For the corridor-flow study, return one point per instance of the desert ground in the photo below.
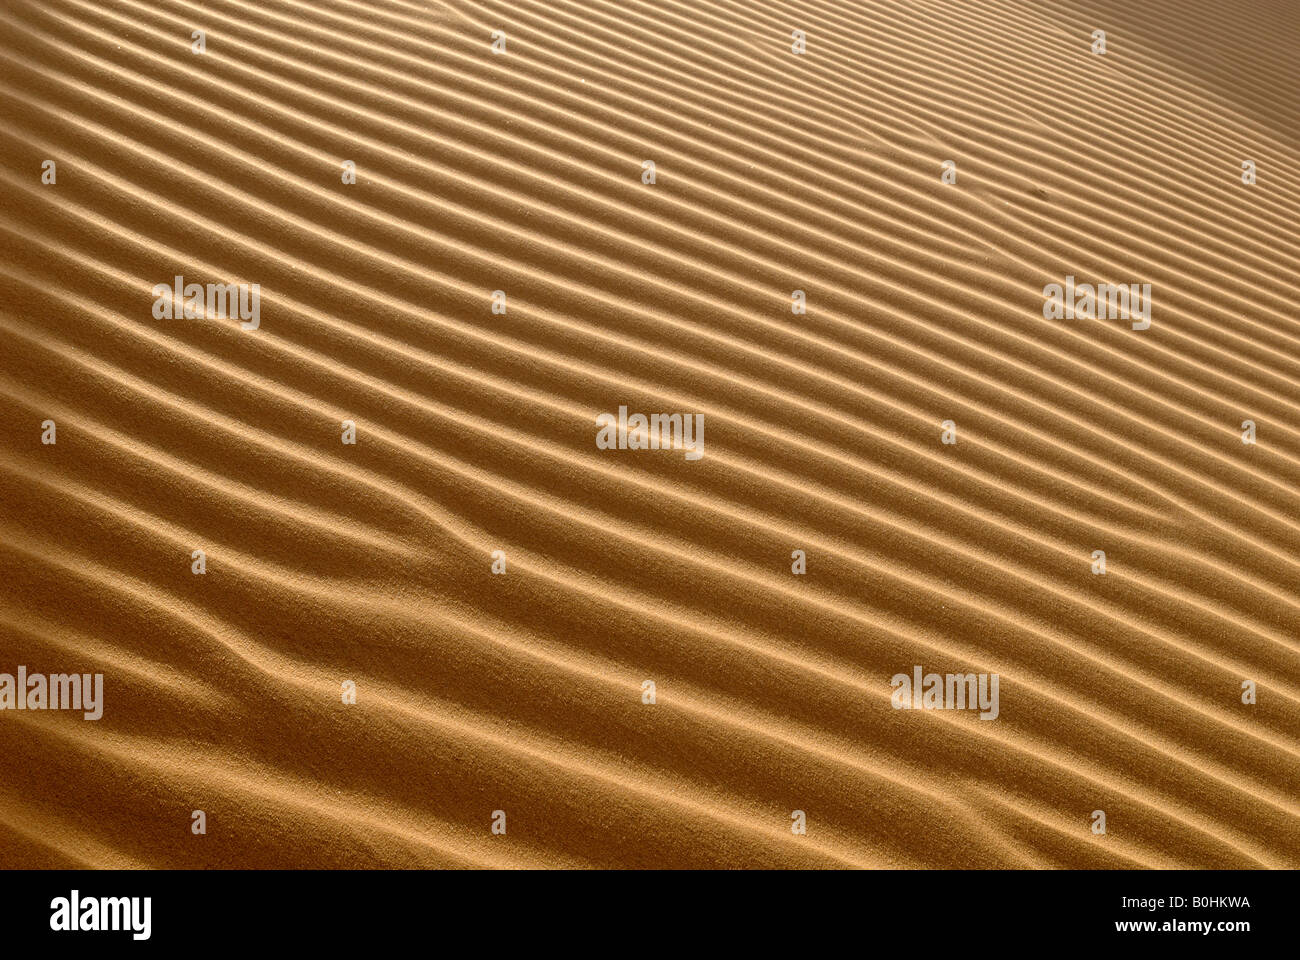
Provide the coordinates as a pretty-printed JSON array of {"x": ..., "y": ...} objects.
[{"x": 476, "y": 637}]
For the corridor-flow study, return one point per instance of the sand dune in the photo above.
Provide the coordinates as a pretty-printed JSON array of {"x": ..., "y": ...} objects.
[{"x": 521, "y": 171}]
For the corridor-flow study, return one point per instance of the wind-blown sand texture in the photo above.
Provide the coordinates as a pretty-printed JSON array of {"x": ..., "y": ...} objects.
[{"x": 522, "y": 692}]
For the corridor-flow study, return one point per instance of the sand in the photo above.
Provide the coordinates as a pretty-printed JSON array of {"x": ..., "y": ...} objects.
[{"x": 521, "y": 692}]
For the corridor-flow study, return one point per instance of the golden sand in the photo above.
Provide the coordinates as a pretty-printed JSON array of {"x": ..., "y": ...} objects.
[{"x": 522, "y": 172}]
